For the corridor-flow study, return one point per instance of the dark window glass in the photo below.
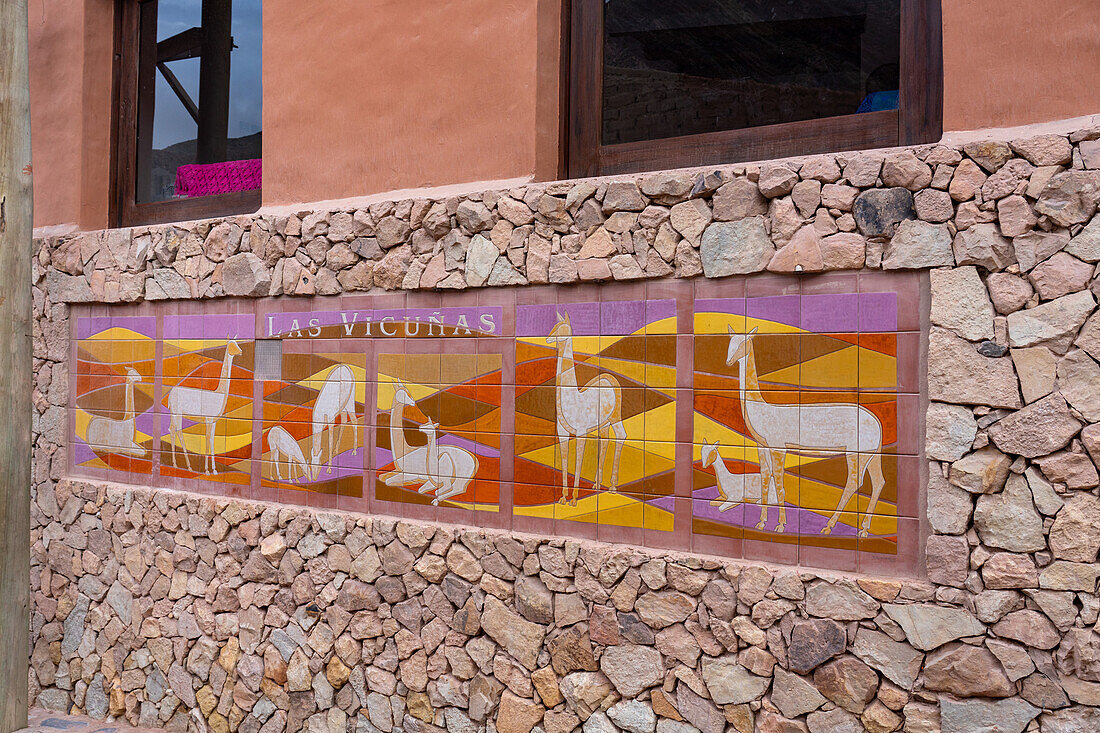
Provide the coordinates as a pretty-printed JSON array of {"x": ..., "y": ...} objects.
[
  {"x": 199, "y": 98},
  {"x": 680, "y": 67}
]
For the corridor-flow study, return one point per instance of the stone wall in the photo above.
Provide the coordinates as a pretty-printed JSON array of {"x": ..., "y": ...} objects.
[{"x": 150, "y": 602}]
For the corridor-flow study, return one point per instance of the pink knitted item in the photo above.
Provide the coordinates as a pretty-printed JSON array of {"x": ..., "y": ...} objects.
[{"x": 211, "y": 178}]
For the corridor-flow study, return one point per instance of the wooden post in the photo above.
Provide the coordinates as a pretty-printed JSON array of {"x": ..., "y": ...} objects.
[
  {"x": 217, "y": 47},
  {"x": 15, "y": 362}
]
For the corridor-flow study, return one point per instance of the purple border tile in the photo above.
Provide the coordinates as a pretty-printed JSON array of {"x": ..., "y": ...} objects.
[
  {"x": 366, "y": 323},
  {"x": 731, "y": 306},
  {"x": 878, "y": 312},
  {"x": 785, "y": 309},
  {"x": 539, "y": 320},
  {"x": 830, "y": 313}
]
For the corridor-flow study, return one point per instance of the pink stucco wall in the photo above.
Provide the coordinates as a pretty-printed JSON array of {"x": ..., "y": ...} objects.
[{"x": 363, "y": 98}]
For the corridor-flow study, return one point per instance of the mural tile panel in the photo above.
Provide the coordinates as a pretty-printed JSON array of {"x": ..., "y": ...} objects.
[
  {"x": 771, "y": 418},
  {"x": 206, "y": 397},
  {"x": 586, "y": 395},
  {"x": 786, "y": 419},
  {"x": 429, "y": 449},
  {"x": 113, "y": 412},
  {"x": 313, "y": 423}
]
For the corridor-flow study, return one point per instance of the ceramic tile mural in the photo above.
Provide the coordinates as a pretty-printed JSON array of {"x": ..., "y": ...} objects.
[
  {"x": 596, "y": 413},
  {"x": 206, "y": 397},
  {"x": 314, "y": 423},
  {"x": 768, "y": 418},
  {"x": 343, "y": 374},
  {"x": 113, "y": 415},
  {"x": 437, "y": 430},
  {"x": 796, "y": 432}
]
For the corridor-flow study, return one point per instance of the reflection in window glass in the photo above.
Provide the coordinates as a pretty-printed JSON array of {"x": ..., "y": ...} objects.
[
  {"x": 200, "y": 98},
  {"x": 680, "y": 67}
]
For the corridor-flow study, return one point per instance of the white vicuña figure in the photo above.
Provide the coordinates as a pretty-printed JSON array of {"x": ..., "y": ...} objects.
[
  {"x": 734, "y": 488},
  {"x": 335, "y": 400},
  {"x": 283, "y": 445},
  {"x": 450, "y": 468},
  {"x": 118, "y": 436},
  {"x": 595, "y": 407},
  {"x": 204, "y": 406},
  {"x": 410, "y": 464},
  {"x": 822, "y": 427}
]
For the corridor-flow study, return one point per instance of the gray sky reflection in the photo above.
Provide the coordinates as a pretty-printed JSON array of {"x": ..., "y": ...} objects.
[{"x": 171, "y": 123}]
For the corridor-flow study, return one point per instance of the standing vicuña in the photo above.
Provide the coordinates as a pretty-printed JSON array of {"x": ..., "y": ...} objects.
[
  {"x": 203, "y": 406},
  {"x": 335, "y": 400},
  {"x": 595, "y": 407},
  {"x": 830, "y": 427}
]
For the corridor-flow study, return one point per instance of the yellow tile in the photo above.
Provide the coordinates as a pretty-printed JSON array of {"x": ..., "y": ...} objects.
[
  {"x": 877, "y": 370},
  {"x": 662, "y": 326},
  {"x": 838, "y": 370},
  {"x": 881, "y": 525},
  {"x": 660, "y": 456},
  {"x": 619, "y": 510},
  {"x": 657, "y": 519},
  {"x": 720, "y": 323},
  {"x": 586, "y": 510},
  {"x": 660, "y": 422}
]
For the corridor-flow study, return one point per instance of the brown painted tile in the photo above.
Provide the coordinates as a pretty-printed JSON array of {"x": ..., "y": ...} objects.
[
  {"x": 535, "y": 295},
  {"x": 578, "y": 293},
  {"x": 534, "y": 525},
  {"x": 830, "y": 552},
  {"x": 730, "y": 287},
  {"x": 830, "y": 283},
  {"x": 875, "y": 559},
  {"x": 782, "y": 549},
  {"x": 777, "y": 361},
  {"x": 767, "y": 285},
  {"x": 680, "y": 537},
  {"x": 539, "y": 403},
  {"x": 684, "y": 470},
  {"x": 909, "y": 362}
]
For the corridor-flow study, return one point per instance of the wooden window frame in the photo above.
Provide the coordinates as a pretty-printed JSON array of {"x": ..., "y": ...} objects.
[
  {"x": 919, "y": 118},
  {"x": 125, "y": 211}
]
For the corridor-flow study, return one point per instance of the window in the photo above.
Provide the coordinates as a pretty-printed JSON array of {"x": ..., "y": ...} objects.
[
  {"x": 189, "y": 112},
  {"x": 674, "y": 83}
]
